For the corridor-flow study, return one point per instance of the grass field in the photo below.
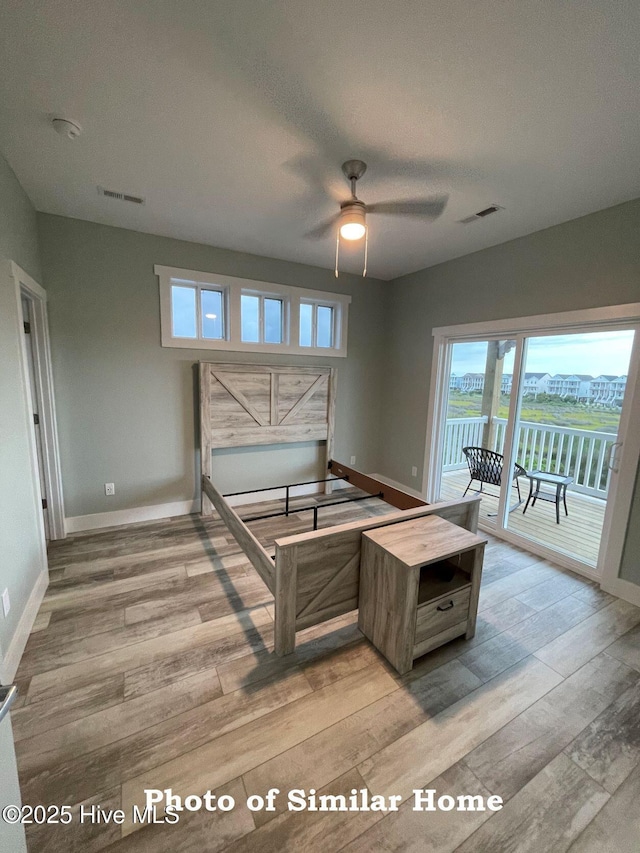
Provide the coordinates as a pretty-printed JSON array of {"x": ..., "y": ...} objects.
[{"x": 566, "y": 413}]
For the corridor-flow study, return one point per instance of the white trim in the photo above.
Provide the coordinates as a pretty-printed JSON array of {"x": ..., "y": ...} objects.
[
  {"x": 397, "y": 485},
  {"x": 233, "y": 287},
  {"x": 11, "y": 660},
  {"x": 622, "y": 482},
  {"x": 615, "y": 314},
  {"x": 134, "y": 515},
  {"x": 97, "y": 520},
  {"x": 47, "y": 405},
  {"x": 622, "y": 589}
]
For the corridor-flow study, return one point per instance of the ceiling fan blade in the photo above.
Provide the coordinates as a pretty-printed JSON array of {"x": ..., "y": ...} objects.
[
  {"x": 431, "y": 208},
  {"x": 324, "y": 229}
]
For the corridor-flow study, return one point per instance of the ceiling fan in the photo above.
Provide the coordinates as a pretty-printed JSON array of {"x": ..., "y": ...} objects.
[{"x": 351, "y": 221}]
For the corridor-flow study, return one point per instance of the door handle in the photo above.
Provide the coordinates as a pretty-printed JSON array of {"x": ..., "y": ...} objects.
[
  {"x": 612, "y": 456},
  {"x": 7, "y": 698}
]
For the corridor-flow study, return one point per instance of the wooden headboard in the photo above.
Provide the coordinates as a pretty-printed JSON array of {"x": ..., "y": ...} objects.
[{"x": 249, "y": 404}]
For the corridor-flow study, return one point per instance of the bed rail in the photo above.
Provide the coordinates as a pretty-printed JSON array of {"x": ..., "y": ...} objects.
[{"x": 260, "y": 560}]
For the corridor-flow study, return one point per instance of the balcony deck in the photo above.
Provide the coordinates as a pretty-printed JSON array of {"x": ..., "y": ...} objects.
[{"x": 578, "y": 534}]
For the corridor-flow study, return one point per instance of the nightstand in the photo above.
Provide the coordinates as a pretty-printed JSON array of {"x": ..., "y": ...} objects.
[{"x": 419, "y": 587}]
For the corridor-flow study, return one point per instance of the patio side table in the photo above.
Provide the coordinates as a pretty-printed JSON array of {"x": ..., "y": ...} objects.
[{"x": 536, "y": 479}]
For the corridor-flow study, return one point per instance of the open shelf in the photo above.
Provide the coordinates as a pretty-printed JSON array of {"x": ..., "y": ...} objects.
[{"x": 433, "y": 583}]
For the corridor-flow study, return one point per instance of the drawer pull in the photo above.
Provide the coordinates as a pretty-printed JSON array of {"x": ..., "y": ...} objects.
[{"x": 448, "y": 607}]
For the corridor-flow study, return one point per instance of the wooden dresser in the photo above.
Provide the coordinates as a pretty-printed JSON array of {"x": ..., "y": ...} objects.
[{"x": 419, "y": 587}]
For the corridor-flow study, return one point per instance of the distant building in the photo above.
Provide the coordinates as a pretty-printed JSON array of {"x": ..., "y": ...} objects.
[
  {"x": 576, "y": 386},
  {"x": 608, "y": 390},
  {"x": 536, "y": 383},
  {"x": 604, "y": 390},
  {"x": 472, "y": 382}
]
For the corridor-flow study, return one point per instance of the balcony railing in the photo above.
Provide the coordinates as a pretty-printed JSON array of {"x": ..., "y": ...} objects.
[{"x": 578, "y": 453}]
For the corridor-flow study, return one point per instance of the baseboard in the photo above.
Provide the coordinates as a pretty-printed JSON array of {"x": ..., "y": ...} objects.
[
  {"x": 11, "y": 660},
  {"x": 397, "y": 485},
  {"x": 623, "y": 589},
  {"x": 96, "y": 520}
]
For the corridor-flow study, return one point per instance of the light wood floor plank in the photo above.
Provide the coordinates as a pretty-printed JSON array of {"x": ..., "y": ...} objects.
[
  {"x": 197, "y": 832},
  {"x": 54, "y": 711},
  {"x": 408, "y": 831},
  {"x": 609, "y": 748},
  {"x": 435, "y": 745},
  {"x": 546, "y": 816},
  {"x": 578, "y": 645},
  {"x": 149, "y": 650},
  {"x": 113, "y": 724},
  {"x": 627, "y": 648},
  {"x": 504, "y": 650},
  {"x": 236, "y": 753},
  {"x": 311, "y": 832},
  {"x": 350, "y": 741},
  {"x": 616, "y": 827},
  {"x": 511, "y": 757}
]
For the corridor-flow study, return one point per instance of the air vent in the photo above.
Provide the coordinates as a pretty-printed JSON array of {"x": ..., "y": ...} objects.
[
  {"x": 493, "y": 208},
  {"x": 134, "y": 199}
]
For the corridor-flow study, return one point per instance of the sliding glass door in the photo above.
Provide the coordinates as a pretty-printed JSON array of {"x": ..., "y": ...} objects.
[
  {"x": 533, "y": 421},
  {"x": 567, "y": 435},
  {"x": 478, "y": 397}
]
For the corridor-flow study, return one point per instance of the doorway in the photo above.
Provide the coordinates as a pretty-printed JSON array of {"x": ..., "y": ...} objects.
[
  {"x": 39, "y": 397},
  {"x": 547, "y": 411}
]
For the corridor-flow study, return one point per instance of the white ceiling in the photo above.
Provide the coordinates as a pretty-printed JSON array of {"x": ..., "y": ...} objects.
[{"x": 232, "y": 118}]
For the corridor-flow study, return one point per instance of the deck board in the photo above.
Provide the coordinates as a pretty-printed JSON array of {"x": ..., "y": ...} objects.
[{"x": 578, "y": 534}]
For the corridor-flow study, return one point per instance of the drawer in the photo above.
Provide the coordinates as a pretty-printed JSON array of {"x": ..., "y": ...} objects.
[{"x": 436, "y": 616}]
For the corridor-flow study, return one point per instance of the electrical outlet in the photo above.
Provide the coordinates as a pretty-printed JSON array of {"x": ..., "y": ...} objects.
[
  {"x": 6, "y": 604},
  {"x": 109, "y": 489},
  {"x": 414, "y": 471},
  {"x": 353, "y": 460}
]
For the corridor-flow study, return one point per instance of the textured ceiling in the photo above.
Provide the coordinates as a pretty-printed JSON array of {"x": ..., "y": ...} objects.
[{"x": 232, "y": 118}]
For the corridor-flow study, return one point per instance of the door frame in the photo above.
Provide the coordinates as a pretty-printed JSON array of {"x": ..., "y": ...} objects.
[
  {"x": 615, "y": 524},
  {"x": 44, "y": 393}
]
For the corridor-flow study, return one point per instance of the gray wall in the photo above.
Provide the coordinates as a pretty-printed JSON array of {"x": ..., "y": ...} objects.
[
  {"x": 126, "y": 405},
  {"x": 20, "y": 557},
  {"x": 585, "y": 263}
]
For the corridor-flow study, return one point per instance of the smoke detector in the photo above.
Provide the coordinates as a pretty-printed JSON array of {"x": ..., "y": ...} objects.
[{"x": 67, "y": 128}]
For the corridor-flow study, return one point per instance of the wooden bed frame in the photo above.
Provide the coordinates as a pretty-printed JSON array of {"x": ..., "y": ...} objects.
[{"x": 316, "y": 575}]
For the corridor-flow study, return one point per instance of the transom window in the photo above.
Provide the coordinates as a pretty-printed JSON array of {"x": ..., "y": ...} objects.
[
  {"x": 261, "y": 319},
  {"x": 207, "y": 311},
  {"x": 197, "y": 312},
  {"x": 316, "y": 325}
]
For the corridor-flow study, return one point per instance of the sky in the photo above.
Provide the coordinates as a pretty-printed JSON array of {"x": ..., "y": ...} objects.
[{"x": 593, "y": 353}]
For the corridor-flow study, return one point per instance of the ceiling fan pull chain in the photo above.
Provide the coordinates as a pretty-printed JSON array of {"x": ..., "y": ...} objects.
[
  {"x": 366, "y": 250},
  {"x": 337, "y": 251}
]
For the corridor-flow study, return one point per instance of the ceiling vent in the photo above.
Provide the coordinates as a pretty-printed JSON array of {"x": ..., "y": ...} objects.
[
  {"x": 493, "y": 208},
  {"x": 134, "y": 199}
]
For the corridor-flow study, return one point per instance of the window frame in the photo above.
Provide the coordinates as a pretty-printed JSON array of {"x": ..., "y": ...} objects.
[
  {"x": 232, "y": 289},
  {"x": 284, "y": 319},
  {"x": 335, "y": 323}
]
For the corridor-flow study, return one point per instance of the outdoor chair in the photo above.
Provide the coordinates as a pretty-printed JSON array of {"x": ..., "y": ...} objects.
[{"x": 486, "y": 466}]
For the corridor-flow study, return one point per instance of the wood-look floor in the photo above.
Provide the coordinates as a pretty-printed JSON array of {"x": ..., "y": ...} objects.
[
  {"x": 577, "y": 535},
  {"x": 151, "y": 665}
]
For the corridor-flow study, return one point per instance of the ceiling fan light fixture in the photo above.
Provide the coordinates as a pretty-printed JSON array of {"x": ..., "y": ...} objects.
[{"x": 353, "y": 222}]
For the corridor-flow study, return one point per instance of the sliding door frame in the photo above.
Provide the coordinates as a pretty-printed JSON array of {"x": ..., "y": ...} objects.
[{"x": 569, "y": 322}]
